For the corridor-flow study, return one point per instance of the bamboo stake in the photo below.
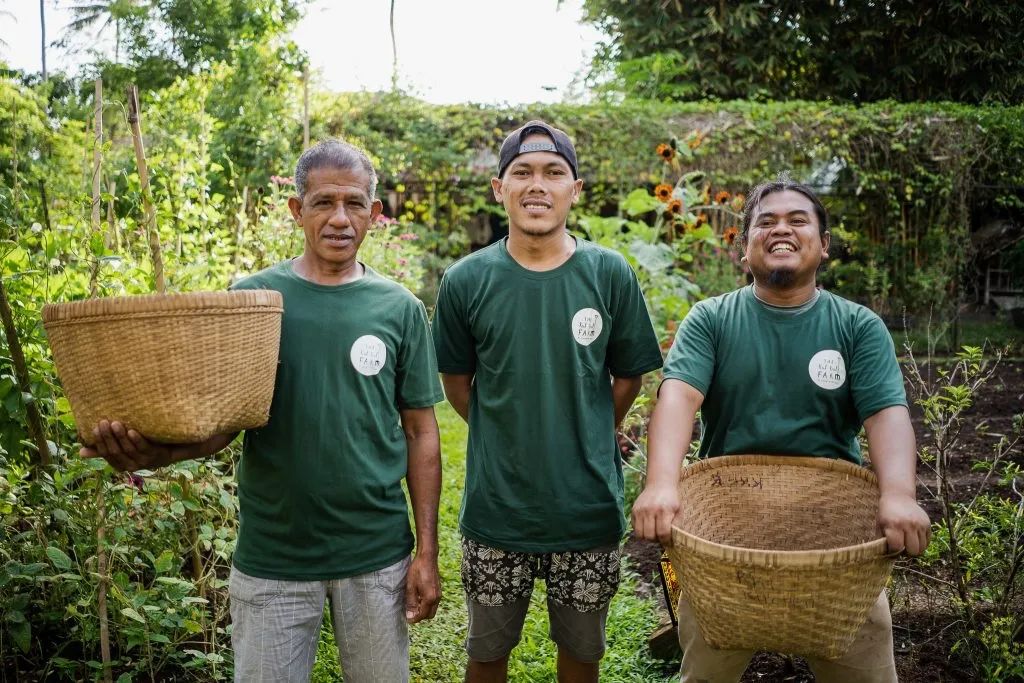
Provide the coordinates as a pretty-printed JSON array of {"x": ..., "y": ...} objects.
[
  {"x": 305, "y": 108},
  {"x": 46, "y": 205},
  {"x": 97, "y": 162},
  {"x": 134, "y": 120},
  {"x": 242, "y": 219},
  {"x": 112, "y": 229},
  {"x": 101, "y": 568},
  {"x": 34, "y": 421},
  {"x": 101, "y": 503},
  {"x": 198, "y": 572}
]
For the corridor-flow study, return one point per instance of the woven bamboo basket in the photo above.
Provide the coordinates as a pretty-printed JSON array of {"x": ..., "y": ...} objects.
[
  {"x": 779, "y": 553},
  {"x": 177, "y": 368}
]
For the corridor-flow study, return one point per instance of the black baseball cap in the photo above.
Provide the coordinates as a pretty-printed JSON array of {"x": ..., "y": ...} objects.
[{"x": 560, "y": 144}]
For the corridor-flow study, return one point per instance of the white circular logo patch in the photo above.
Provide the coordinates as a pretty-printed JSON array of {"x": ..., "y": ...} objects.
[
  {"x": 827, "y": 369},
  {"x": 586, "y": 326},
  {"x": 369, "y": 355}
]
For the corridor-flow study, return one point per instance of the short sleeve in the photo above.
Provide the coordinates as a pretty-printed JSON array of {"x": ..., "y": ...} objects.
[
  {"x": 692, "y": 356},
  {"x": 417, "y": 384},
  {"x": 875, "y": 378},
  {"x": 453, "y": 339},
  {"x": 633, "y": 345}
]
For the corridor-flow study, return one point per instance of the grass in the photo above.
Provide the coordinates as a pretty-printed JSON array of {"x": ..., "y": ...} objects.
[{"x": 437, "y": 654}]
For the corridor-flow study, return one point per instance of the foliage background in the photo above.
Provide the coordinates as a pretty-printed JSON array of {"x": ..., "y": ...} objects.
[{"x": 222, "y": 118}]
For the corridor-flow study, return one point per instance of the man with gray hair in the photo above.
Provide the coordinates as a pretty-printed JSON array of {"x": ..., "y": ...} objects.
[{"x": 322, "y": 513}]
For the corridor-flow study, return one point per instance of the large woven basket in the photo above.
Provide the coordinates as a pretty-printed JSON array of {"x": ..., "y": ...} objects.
[
  {"x": 177, "y": 368},
  {"x": 779, "y": 553}
]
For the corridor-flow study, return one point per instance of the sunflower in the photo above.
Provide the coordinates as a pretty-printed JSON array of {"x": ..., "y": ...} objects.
[
  {"x": 696, "y": 137},
  {"x": 730, "y": 234},
  {"x": 663, "y": 192},
  {"x": 701, "y": 219},
  {"x": 675, "y": 206},
  {"x": 722, "y": 197},
  {"x": 666, "y": 152}
]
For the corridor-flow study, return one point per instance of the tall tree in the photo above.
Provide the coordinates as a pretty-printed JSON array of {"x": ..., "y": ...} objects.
[
  {"x": 102, "y": 14},
  {"x": 844, "y": 50},
  {"x": 394, "y": 49}
]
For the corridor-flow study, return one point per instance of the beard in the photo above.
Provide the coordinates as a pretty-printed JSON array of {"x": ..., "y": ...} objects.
[{"x": 781, "y": 277}]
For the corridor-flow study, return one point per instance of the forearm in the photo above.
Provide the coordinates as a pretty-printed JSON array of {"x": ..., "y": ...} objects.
[
  {"x": 424, "y": 479},
  {"x": 624, "y": 392},
  {"x": 456, "y": 390},
  {"x": 893, "y": 450},
  {"x": 670, "y": 432}
]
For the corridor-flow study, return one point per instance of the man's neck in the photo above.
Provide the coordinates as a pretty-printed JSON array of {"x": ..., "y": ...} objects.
[
  {"x": 785, "y": 297},
  {"x": 540, "y": 252},
  {"x": 327, "y": 274}
]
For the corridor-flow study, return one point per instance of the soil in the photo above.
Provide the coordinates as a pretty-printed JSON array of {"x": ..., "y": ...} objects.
[{"x": 923, "y": 620}]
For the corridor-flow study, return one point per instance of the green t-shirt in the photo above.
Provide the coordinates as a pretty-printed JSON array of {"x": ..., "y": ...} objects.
[
  {"x": 319, "y": 487},
  {"x": 543, "y": 471},
  {"x": 775, "y": 383}
]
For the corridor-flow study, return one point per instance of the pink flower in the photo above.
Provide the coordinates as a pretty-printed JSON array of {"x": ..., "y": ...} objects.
[
  {"x": 402, "y": 261},
  {"x": 407, "y": 236},
  {"x": 281, "y": 180},
  {"x": 384, "y": 220}
]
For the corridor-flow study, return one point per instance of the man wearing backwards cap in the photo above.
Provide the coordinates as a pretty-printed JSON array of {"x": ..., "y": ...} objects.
[{"x": 542, "y": 340}]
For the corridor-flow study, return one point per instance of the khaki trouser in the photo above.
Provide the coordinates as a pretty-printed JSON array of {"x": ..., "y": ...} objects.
[{"x": 870, "y": 658}]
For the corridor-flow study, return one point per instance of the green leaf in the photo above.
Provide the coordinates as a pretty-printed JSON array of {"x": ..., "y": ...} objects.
[
  {"x": 132, "y": 614},
  {"x": 164, "y": 563},
  {"x": 22, "y": 635},
  {"x": 640, "y": 201},
  {"x": 59, "y": 558},
  {"x": 6, "y": 384},
  {"x": 655, "y": 258}
]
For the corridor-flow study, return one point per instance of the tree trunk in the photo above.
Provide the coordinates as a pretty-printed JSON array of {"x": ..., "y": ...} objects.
[
  {"x": 42, "y": 29},
  {"x": 394, "y": 51}
]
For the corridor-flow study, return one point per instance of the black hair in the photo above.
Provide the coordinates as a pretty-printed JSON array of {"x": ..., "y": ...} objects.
[{"x": 761, "y": 191}]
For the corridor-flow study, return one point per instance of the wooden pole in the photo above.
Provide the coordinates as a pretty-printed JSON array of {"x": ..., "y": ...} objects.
[
  {"x": 34, "y": 421},
  {"x": 134, "y": 120},
  {"x": 97, "y": 162}
]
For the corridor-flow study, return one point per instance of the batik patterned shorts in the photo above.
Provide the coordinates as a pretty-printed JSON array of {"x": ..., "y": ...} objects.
[{"x": 582, "y": 580}]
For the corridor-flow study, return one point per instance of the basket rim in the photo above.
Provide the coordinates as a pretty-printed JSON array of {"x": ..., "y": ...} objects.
[
  {"x": 816, "y": 462},
  {"x": 781, "y": 559},
  {"x": 179, "y": 302},
  {"x": 826, "y": 557}
]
